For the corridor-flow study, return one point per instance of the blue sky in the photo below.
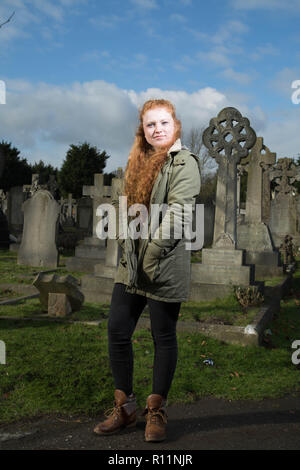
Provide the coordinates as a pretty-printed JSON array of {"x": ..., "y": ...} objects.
[{"x": 77, "y": 70}]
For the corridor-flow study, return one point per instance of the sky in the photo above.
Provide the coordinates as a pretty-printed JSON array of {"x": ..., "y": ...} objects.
[{"x": 78, "y": 70}]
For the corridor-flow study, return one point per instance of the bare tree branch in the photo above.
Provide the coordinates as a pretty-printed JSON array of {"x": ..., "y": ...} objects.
[
  {"x": 193, "y": 140},
  {"x": 7, "y": 20}
]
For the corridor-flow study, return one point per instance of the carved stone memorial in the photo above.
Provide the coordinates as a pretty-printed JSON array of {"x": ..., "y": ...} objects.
[
  {"x": 254, "y": 235},
  {"x": 228, "y": 138},
  {"x": 285, "y": 207}
]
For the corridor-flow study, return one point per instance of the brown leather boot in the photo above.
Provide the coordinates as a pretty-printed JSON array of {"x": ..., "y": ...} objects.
[
  {"x": 123, "y": 415},
  {"x": 156, "y": 418}
]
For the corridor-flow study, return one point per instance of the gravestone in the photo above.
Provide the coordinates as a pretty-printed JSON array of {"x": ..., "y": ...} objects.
[
  {"x": 15, "y": 213},
  {"x": 38, "y": 246},
  {"x": 253, "y": 234},
  {"x": 67, "y": 215},
  {"x": 91, "y": 250},
  {"x": 228, "y": 138},
  {"x": 285, "y": 207},
  {"x": 85, "y": 217},
  {"x": 30, "y": 189},
  {"x": 59, "y": 295},
  {"x": 98, "y": 287}
]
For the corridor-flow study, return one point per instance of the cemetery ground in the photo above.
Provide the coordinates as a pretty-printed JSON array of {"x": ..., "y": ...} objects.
[{"x": 59, "y": 368}]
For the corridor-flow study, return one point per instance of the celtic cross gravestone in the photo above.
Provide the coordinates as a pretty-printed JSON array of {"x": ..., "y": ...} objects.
[{"x": 228, "y": 138}]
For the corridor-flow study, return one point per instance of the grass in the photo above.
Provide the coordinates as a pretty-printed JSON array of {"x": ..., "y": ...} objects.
[
  {"x": 225, "y": 311},
  {"x": 63, "y": 368},
  {"x": 11, "y": 272}
]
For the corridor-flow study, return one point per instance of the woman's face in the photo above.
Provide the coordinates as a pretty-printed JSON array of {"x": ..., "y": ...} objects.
[{"x": 159, "y": 127}]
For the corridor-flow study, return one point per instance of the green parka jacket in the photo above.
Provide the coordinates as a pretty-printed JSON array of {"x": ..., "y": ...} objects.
[{"x": 159, "y": 267}]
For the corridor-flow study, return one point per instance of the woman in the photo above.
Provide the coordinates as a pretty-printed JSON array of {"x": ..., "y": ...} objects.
[{"x": 154, "y": 269}]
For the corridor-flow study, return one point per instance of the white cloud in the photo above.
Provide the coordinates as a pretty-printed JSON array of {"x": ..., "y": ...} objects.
[
  {"x": 241, "y": 78},
  {"x": 283, "y": 80},
  {"x": 262, "y": 51},
  {"x": 145, "y": 4},
  {"x": 178, "y": 18},
  {"x": 42, "y": 120},
  {"x": 217, "y": 56}
]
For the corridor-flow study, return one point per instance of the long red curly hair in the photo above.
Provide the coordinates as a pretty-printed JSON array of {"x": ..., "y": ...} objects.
[{"x": 144, "y": 163}]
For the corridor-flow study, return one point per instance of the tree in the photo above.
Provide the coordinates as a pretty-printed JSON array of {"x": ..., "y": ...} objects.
[
  {"x": 193, "y": 140},
  {"x": 81, "y": 163},
  {"x": 16, "y": 171},
  {"x": 44, "y": 171}
]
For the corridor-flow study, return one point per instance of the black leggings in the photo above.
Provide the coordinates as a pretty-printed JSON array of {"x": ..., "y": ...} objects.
[{"x": 125, "y": 311}]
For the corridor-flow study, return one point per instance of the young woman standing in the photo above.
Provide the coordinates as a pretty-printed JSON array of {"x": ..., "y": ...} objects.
[{"x": 153, "y": 270}]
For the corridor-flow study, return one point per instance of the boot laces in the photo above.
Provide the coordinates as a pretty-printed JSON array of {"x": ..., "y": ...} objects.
[
  {"x": 154, "y": 416},
  {"x": 114, "y": 412}
]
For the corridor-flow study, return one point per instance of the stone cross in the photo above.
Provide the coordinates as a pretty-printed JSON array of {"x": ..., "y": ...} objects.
[
  {"x": 285, "y": 173},
  {"x": 99, "y": 194},
  {"x": 31, "y": 189},
  {"x": 70, "y": 205},
  {"x": 257, "y": 163},
  {"x": 228, "y": 138},
  {"x": 112, "y": 251}
]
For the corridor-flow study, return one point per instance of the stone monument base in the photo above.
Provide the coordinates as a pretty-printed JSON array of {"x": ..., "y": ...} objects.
[
  {"x": 87, "y": 254},
  {"x": 256, "y": 241}
]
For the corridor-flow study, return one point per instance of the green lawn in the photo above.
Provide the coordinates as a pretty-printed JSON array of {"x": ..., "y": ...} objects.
[{"x": 54, "y": 367}]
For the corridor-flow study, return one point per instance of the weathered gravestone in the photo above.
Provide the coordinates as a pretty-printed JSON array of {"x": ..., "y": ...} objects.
[
  {"x": 91, "y": 250},
  {"x": 228, "y": 138},
  {"x": 38, "y": 246},
  {"x": 253, "y": 235},
  {"x": 59, "y": 295},
  {"x": 285, "y": 207}
]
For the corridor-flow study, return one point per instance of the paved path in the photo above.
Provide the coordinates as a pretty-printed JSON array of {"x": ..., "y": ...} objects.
[{"x": 208, "y": 424}]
